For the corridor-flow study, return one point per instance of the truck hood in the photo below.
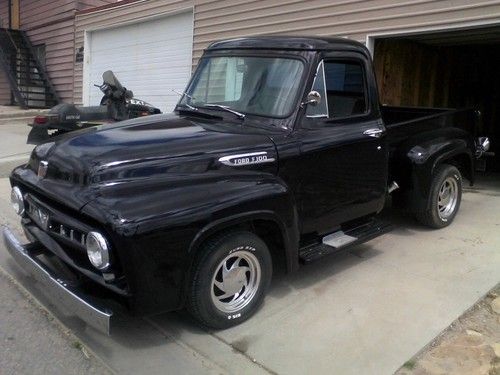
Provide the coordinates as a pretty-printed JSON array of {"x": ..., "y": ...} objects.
[{"x": 171, "y": 147}]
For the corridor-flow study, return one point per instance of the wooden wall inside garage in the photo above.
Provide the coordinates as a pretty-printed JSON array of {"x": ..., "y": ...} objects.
[
  {"x": 461, "y": 76},
  {"x": 412, "y": 74}
]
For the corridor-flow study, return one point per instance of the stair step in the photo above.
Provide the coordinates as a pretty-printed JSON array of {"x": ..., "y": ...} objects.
[
  {"x": 38, "y": 100},
  {"x": 24, "y": 61},
  {"x": 24, "y": 71},
  {"x": 24, "y": 75},
  {"x": 342, "y": 240},
  {"x": 31, "y": 79},
  {"x": 36, "y": 92}
]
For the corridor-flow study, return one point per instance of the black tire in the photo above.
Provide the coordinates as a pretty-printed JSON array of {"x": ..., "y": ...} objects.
[
  {"x": 245, "y": 255},
  {"x": 434, "y": 213}
]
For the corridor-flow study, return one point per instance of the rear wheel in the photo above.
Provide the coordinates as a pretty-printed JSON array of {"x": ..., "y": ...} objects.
[
  {"x": 230, "y": 279},
  {"x": 444, "y": 198}
]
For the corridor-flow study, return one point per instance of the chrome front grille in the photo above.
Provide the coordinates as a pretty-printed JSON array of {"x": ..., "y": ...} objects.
[
  {"x": 51, "y": 223},
  {"x": 71, "y": 234}
]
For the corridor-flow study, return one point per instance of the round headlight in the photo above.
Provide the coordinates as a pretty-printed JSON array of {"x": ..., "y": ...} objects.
[
  {"x": 17, "y": 200},
  {"x": 97, "y": 250}
]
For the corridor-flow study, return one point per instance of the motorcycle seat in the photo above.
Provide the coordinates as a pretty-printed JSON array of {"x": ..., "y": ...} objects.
[{"x": 70, "y": 114}]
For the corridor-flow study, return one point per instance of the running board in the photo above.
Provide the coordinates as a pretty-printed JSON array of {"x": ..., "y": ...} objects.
[{"x": 341, "y": 240}]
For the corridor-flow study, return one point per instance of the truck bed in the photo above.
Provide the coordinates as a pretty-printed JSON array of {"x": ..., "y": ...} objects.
[{"x": 404, "y": 122}]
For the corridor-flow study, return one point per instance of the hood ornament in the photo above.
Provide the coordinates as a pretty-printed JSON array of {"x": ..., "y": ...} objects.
[{"x": 42, "y": 168}]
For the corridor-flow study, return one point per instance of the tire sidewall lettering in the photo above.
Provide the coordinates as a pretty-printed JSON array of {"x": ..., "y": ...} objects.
[{"x": 242, "y": 248}]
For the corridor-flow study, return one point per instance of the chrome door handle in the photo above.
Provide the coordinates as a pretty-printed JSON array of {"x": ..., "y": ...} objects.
[{"x": 375, "y": 132}]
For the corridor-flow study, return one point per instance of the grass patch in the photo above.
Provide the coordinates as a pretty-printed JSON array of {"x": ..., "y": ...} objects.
[
  {"x": 410, "y": 365},
  {"x": 77, "y": 345}
]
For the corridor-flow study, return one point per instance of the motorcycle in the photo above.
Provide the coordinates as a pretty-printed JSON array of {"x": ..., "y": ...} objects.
[{"x": 117, "y": 104}]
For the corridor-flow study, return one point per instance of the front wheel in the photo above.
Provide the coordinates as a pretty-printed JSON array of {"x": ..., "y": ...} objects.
[
  {"x": 230, "y": 279},
  {"x": 444, "y": 198}
]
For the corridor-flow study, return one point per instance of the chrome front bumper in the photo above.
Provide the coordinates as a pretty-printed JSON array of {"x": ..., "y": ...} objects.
[{"x": 57, "y": 289}]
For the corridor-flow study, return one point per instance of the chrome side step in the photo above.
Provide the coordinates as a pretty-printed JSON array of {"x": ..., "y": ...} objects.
[
  {"x": 338, "y": 239},
  {"x": 341, "y": 240}
]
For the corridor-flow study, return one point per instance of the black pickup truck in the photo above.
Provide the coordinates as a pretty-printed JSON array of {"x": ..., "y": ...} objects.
[{"x": 277, "y": 154}]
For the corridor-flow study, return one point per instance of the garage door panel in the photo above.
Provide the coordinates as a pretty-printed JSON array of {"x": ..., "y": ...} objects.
[
  {"x": 150, "y": 58},
  {"x": 148, "y": 32},
  {"x": 174, "y": 58},
  {"x": 170, "y": 44},
  {"x": 167, "y": 45}
]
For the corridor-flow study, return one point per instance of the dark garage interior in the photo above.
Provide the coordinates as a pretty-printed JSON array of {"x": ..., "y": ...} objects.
[{"x": 459, "y": 69}]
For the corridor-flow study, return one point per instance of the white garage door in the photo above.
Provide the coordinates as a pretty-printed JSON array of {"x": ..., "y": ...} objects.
[{"x": 150, "y": 58}]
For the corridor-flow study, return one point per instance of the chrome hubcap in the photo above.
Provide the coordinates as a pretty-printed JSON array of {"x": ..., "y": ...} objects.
[
  {"x": 447, "y": 198},
  {"x": 236, "y": 281}
]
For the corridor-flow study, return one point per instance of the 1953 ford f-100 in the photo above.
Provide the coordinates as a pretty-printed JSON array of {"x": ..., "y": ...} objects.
[{"x": 277, "y": 154}]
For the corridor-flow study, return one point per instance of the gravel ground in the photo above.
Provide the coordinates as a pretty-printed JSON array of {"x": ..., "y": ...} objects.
[
  {"x": 33, "y": 342},
  {"x": 471, "y": 345}
]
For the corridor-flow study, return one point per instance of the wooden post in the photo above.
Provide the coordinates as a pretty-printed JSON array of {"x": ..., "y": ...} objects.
[{"x": 15, "y": 14}]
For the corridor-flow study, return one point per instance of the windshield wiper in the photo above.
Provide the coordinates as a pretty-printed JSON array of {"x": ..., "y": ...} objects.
[
  {"x": 224, "y": 108},
  {"x": 188, "y": 106},
  {"x": 195, "y": 111},
  {"x": 184, "y": 94}
]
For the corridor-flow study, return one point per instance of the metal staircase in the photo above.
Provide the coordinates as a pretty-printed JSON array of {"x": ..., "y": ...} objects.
[{"x": 28, "y": 79}]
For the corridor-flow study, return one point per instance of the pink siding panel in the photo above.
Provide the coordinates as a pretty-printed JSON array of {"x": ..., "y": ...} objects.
[
  {"x": 87, "y": 4},
  {"x": 4, "y": 84},
  {"x": 53, "y": 23}
]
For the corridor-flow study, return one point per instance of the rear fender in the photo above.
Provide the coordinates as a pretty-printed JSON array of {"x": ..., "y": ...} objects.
[{"x": 426, "y": 158}]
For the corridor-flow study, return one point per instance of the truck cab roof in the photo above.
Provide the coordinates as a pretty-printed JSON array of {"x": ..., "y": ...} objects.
[{"x": 282, "y": 42}]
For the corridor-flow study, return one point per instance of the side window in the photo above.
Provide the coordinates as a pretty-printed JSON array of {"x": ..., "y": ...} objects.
[
  {"x": 345, "y": 88},
  {"x": 320, "y": 110}
]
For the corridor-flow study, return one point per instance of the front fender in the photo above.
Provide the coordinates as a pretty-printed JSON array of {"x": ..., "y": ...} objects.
[
  {"x": 158, "y": 230},
  {"x": 287, "y": 224},
  {"x": 269, "y": 200}
]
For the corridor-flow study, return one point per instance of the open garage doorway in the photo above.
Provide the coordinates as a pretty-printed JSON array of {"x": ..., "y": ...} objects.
[{"x": 453, "y": 69}]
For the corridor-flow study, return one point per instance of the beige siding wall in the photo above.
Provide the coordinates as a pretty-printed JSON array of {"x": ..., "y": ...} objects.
[
  {"x": 220, "y": 19},
  {"x": 355, "y": 19},
  {"x": 133, "y": 12}
]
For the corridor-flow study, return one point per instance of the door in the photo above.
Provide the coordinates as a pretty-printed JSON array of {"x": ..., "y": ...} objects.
[
  {"x": 151, "y": 58},
  {"x": 343, "y": 162}
]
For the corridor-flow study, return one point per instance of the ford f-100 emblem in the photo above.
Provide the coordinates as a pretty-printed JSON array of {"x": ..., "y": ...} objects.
[{"x": 246, "y": 159}]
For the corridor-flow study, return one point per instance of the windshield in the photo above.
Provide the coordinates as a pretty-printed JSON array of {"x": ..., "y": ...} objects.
[{"x": 265, "y": 86}]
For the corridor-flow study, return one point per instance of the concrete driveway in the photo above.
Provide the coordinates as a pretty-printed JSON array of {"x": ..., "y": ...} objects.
[
  {"x": 362, "y": 312},
  {"x": 365, "y": 311},
  {"x": 13, "y": 135}
]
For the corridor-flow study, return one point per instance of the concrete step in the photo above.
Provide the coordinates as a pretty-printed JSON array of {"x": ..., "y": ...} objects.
[{"x": 12, "y": 112}]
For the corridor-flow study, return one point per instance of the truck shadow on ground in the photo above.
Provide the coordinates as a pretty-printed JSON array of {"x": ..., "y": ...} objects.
[{"x": 312, "y": 276}]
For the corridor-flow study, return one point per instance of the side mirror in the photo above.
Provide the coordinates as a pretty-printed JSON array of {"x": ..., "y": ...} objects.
[
  {"x": 484, "y": 143},
  {"x": 313, "y": 98}
]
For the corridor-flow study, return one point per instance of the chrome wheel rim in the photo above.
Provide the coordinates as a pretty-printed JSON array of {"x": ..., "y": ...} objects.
[
  {"x": 447, "y": 198},
  {"x": 235, "y": 281}
]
